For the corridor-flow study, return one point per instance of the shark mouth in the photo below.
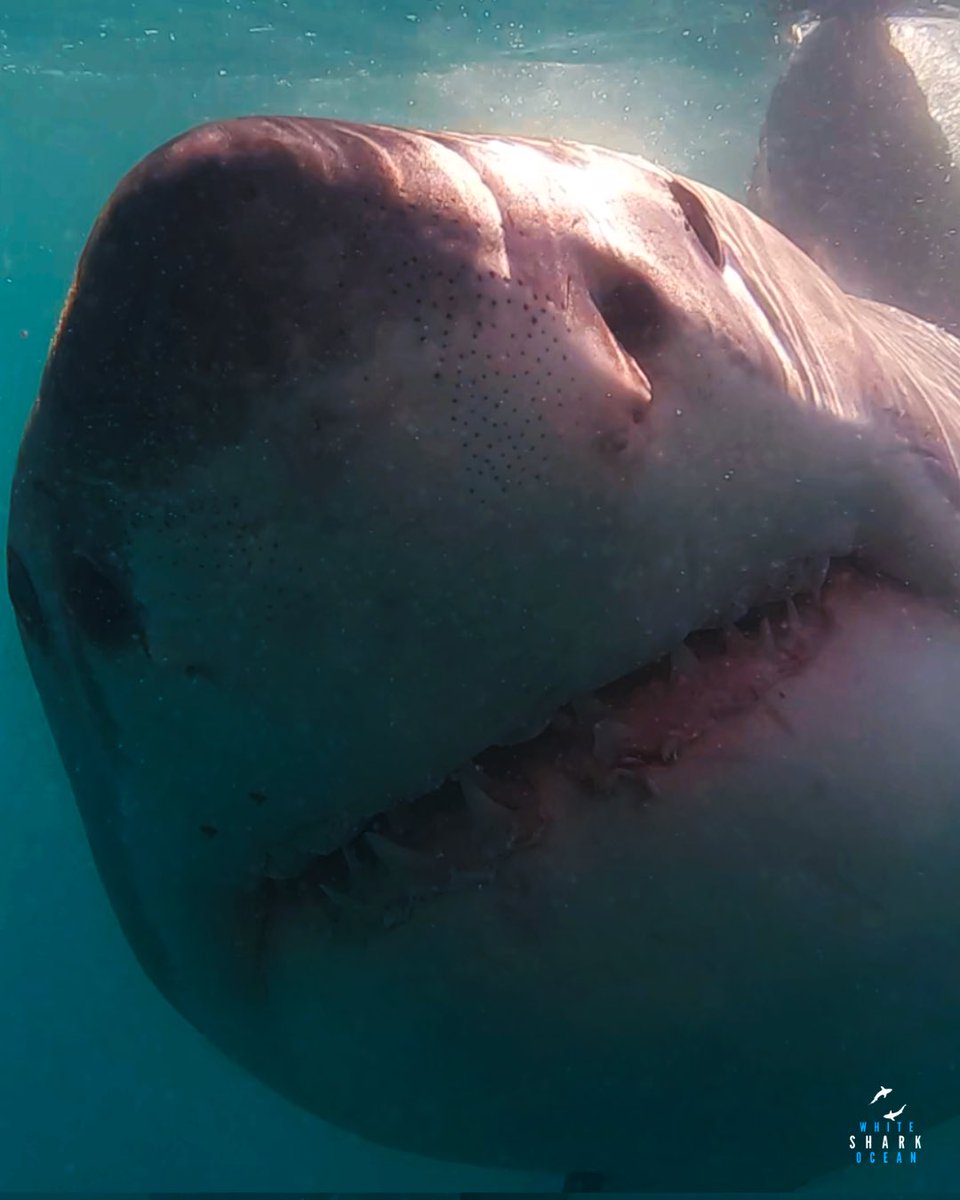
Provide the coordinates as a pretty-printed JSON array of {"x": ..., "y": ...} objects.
[{"x": 625, "y": 736}]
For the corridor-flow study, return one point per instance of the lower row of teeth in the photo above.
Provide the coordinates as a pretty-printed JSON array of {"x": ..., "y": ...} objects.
[
  {"x": 381, "y": 880},
  {"x": 377, "y": 879}
]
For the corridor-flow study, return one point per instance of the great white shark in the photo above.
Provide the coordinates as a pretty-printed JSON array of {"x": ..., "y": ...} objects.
[
  {"x": 860, "y": 153},
  {"x": 496, "y": 601}
]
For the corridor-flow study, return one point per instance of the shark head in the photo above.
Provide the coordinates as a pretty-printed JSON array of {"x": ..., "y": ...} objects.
[{"x": 472, "y": 583}]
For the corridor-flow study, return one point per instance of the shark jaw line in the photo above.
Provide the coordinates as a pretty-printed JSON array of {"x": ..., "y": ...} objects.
[{"x": 619, "y": 739}]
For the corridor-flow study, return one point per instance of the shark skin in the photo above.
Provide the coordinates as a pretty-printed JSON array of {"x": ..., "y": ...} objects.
[{"x": 496, "y": 602}]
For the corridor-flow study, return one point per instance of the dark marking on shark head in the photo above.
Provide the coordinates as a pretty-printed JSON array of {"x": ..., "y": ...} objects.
[
  {"x": 99, "y": 599},
  {"x": 233, "y": 262},
  {"x": 25, "y": 600}
]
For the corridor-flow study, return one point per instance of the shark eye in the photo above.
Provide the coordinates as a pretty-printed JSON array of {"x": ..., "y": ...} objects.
[
  {"x": 698, "y": 219},
  {"x": 100, "y": 604}
]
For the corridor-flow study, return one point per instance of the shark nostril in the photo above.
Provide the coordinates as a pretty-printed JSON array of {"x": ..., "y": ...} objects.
[
  {"x": 24, "y": 598},
  {"x": 101, "y": 604}
]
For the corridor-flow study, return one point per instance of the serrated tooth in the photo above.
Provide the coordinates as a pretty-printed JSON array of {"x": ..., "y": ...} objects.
[
  {"x": 341, "y": 899},
  {"x": 684, "y": 664},
  {"x": 804, "y": 575},
  {"x": 354, "y": 865},
  {"x": 819, "y": 568},
  {"x": 632, "y": 772},
  {"x": 485, "y": 812},
  {"x": 767, "y": 640},
  {"x": 610, "y": 739},
  {"x": 400, "y": 860},
  {"x": 793, "y": 617},
  {"x": 649, "y": 787}
]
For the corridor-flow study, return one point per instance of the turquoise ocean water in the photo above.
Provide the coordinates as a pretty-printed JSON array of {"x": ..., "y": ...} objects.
[{"x": 102, "y": 1086}]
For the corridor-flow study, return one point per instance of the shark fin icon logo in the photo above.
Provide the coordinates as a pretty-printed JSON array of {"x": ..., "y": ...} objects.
[
  {"x": 886, "y": 1139},
  {"x": 882, "y": 1094}
]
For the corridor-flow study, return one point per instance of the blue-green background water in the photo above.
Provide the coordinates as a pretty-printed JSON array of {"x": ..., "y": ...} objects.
[{"x": 102, "y": 1085}]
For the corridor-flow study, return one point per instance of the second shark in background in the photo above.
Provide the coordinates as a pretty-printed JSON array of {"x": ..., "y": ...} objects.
[{"x": 858, "y": 156}]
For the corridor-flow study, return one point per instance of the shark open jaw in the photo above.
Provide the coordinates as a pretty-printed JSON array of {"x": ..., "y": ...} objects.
[
  {"x": 620, "y": 737},
  {"x": 492, "y": 598}
]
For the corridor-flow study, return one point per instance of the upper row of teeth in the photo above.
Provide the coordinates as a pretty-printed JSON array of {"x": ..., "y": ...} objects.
[
  {"x": 410, "y": 875},
  {"x": 415, "y": 874},
  {"x": 797, "y": 577}
]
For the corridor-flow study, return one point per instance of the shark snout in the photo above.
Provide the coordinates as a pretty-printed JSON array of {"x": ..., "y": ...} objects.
[
  {"x": 310, "y": 380},
  {"x": 241, "y": 258}
]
